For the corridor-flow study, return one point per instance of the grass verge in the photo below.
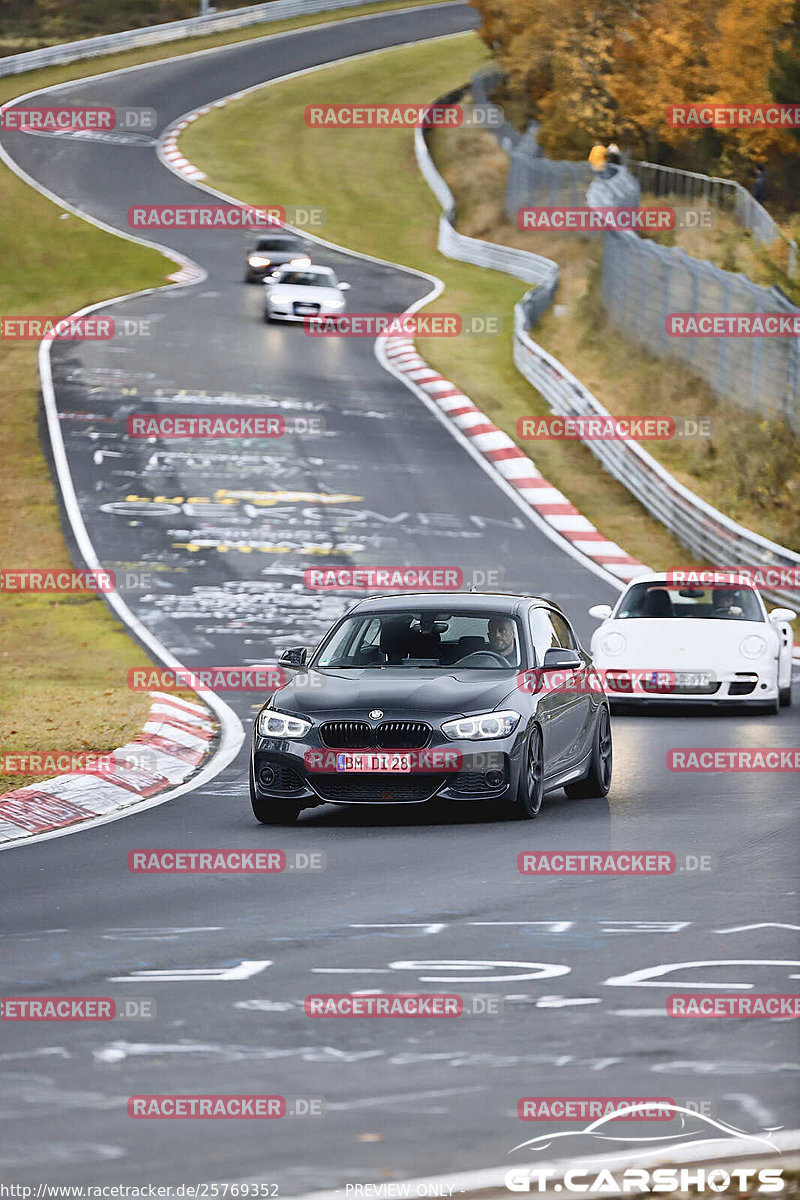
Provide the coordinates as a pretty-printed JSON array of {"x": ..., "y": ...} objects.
[
  {"x": 64, "y": 659},
  {"x": 376, "y": 201}
]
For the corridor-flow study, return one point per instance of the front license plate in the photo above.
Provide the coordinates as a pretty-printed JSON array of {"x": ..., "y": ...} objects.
[
  {"x": 306, "y": 308},
  {"x": 692, "y": 678},
  {"x": 382, "y": 764}
]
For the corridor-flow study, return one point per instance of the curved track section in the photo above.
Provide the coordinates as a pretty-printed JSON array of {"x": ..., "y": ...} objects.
[{"x": 410, "y": 899}]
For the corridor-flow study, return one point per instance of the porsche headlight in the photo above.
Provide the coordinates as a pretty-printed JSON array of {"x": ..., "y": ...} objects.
[
  {"x": 753, "y": 646},
  {"x": 257, "y": 260},
  {"x": 272, "y": 724},
  {"x": 486, "y": 725},
  {"x": 613, "y": 643}
]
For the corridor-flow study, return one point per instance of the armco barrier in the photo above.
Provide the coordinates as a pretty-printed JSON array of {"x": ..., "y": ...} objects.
[
  {"x": 484, "y": 81},
  {"x": 150, "y": 35},
  {"x": 705, "y": 531},
  {"x": 702, "y": 529},
  {"x": 533, "y": 268}
]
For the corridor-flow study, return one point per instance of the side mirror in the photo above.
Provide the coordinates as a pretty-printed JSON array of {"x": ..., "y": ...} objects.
[
  {"x": 344, "y": 287},
  {"x": 782, "y": 614},
  {"x": 294, "y": 657},
  {"x": 562, "y": 660},
  {"x": 601, "y": 612}
]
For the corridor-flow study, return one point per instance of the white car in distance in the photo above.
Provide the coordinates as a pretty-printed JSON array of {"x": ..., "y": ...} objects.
[
  {"x": 297, "y": 293},
  {"x": 667, "y": 643}
]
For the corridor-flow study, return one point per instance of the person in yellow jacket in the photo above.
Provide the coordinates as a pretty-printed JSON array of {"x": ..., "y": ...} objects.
[{"x": 597, "y": 157}]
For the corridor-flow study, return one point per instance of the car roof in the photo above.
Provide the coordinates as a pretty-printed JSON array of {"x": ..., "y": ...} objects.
[{"x": 489, "y": 602}]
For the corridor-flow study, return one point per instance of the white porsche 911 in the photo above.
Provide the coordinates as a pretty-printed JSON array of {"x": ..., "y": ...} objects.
[
  {"x": 663, "y": 642},
  {"x": 296, "y": 293}
]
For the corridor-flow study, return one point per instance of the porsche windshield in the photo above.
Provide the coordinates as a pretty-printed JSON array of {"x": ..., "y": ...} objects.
[
  {"x": 658, "y": 600},
  {"x": 443, "y": 640}
]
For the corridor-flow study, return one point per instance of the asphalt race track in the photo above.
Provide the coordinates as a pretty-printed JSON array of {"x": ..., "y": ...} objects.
[{"x": 410, "y": 898}]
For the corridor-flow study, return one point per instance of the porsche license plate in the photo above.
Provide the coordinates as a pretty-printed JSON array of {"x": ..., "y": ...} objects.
[
  {"x": 693, "y": 679},
  {"x": 380, "y": 764}
]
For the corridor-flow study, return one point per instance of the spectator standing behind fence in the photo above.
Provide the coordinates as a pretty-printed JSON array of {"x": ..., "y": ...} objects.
[
  {"x": 760, "y": 184},
  {"x": 597, "y": 157}
]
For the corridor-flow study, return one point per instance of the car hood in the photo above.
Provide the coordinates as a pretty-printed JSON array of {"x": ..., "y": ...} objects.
[
  {"x": 679, "y": 643},
  {"x": 400, "y": 694}
]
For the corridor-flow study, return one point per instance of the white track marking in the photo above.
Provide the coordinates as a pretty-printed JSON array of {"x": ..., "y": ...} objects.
[
  {"x": 650, "y": 976},
  {"x": 246, "y": 969}
]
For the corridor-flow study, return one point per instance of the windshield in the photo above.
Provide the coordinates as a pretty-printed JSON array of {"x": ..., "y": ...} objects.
[
  {"x": 432, "y": 640},
  {"x": 656, "y": 600},
  {"x": 272, "y": 243},
  {"x": 308, "y": 278}
]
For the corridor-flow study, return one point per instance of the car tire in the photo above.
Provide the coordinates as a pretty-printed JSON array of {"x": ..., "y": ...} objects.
[
  {"x": 598, "y": 780},
  {"x": 530, "y": 790},
  {"x": 785, "y": 697},
  {"x": 272, "y": 812}
]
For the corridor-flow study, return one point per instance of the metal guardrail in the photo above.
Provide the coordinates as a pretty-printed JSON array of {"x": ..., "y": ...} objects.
[
  {"x": 532, "y": 268},
  {"x": 484, "y": 81},
  {"x": 702, "y": 529},
  {"x": 149, "y": 35}
]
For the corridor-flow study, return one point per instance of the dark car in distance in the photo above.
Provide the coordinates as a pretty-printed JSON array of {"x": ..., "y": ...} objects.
[
  {"x": 270, "y": 251},
  {"x": 458, "y": 696}
]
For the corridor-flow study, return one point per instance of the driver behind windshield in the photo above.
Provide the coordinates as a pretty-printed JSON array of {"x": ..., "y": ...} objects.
[
  {"x": 502, "y": 639},
  {"x": 722, "y": 603}
]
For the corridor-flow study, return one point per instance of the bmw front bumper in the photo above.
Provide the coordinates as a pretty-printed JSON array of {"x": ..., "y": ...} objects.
[{"x": 487, "y": 770}]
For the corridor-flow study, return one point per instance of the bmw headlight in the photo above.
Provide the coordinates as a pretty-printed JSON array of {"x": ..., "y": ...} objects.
[
  {"x": 272, "y": 724},
  {"x": 336, "y": 303},
  {"x": 613, "y": 643},
  {"x": 753, "y": 646},
  {"x": 256, "y": 260},
  {"x": 486, "y": 725},
  {"x": 280, "y": 298},
  {"x": 299, "y": 262}
]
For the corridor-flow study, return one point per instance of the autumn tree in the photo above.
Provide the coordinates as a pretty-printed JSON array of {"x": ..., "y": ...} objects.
[{"x": 610, "y": 69}]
